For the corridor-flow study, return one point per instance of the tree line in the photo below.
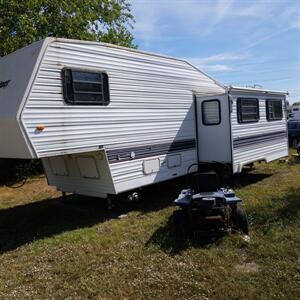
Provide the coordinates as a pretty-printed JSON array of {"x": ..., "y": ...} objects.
[{"x": 24, "y": 22}]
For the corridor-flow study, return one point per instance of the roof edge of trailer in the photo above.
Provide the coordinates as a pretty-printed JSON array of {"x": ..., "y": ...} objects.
[
  {"x": 232, "y": 88},
  {"x": 108, "y": 45},
  {"x": 27, "y": 46}
]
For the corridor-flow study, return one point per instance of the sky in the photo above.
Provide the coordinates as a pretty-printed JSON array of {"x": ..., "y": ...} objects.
[{"x": 237, "y": 42}]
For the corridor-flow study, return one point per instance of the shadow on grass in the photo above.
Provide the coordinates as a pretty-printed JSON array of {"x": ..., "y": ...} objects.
[
  {"x": 294, "y": 160},
  {"x": 246, "y": 177},
  {"x": 25, "y": 223},
  {"x": 279, "y": 210},
  {"x": 291, "y": 207},
  {"x": 165, "y": 238},
  {"x": 33, "y": 221}
]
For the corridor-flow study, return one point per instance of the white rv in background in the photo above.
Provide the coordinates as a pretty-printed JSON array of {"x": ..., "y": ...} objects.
[{"x": 106, "y": 119}]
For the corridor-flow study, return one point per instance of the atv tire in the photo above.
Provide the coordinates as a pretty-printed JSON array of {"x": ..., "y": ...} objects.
[
  {"x": 241, "y": 220},
  {"x": 180, "y": 224}
]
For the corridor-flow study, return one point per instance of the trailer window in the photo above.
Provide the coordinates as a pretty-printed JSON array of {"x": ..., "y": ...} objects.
[
  {"x": 247, "y": 110},
  {"x": 274, "y": 109},
  {"x": 83, "y": 87},
  {"x": 211, "y": 112}
]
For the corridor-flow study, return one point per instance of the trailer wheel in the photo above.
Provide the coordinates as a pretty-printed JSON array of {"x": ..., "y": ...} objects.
[
  {"x": 241, "y": 220},
  {"x": 180, "y": 224},
  {"x": 251, "y": 165}
]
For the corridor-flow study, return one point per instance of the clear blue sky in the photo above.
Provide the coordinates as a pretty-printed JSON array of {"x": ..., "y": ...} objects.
[{"x": 238, "y": 42}]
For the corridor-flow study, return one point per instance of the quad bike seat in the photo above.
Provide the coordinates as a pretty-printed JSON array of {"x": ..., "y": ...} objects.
[{"x": 205, "y": 182}]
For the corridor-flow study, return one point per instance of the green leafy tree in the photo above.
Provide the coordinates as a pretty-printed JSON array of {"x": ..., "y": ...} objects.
[{"x": 23, "y": 22}]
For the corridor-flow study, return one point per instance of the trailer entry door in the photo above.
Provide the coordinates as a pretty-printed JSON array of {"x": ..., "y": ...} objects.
[{"x": 213, "y": 129}]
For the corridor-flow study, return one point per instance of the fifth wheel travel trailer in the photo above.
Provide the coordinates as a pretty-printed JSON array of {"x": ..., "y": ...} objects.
[{"x": 106, "y": 119}]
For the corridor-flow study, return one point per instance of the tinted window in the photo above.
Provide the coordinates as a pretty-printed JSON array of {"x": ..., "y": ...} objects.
[
  {"x": 85, "y": 87},
  {"x": 273, "y": 109},
  {"x": 247, "y": 110},
  {"x": 211, "y": 114}
]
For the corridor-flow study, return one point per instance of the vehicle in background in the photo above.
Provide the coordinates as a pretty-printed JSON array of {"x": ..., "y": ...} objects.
[
  {"x": 294, "y": 132},
  {"x": 294, "y": 114}
]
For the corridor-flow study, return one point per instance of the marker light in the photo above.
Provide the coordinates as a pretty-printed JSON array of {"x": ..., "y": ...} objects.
[{"x": 40, "y": 127}]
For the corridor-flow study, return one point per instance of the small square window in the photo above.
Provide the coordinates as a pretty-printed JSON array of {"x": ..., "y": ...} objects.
[
  {"x": 247, "y": 110},
  {"x": 211, "y": 112},
  {"x": 83, "y": 87},
  {"x": 274, "y": 109}
]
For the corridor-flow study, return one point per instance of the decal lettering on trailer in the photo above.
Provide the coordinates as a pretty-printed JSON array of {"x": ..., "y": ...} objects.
[{"x": 4, "y": 83}]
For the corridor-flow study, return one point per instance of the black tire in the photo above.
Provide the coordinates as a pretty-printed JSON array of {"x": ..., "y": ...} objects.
[
  {"x": 294, "y": 143},
  {"x": 180, "y": 224},
  {"x": 251, "y": 165},
  {"x": 241, "y": 220}
]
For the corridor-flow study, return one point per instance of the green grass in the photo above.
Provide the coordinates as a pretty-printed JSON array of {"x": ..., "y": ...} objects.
[{"x": 75, "y": 249}]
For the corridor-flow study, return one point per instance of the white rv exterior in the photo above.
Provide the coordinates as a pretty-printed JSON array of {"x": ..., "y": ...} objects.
[
  {"x": 148, "y": 129},
  {"x": 265, "y": 140}
]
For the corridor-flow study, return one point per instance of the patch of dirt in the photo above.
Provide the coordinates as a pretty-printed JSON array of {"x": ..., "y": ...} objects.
[{"x": 247, "y": 268}]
